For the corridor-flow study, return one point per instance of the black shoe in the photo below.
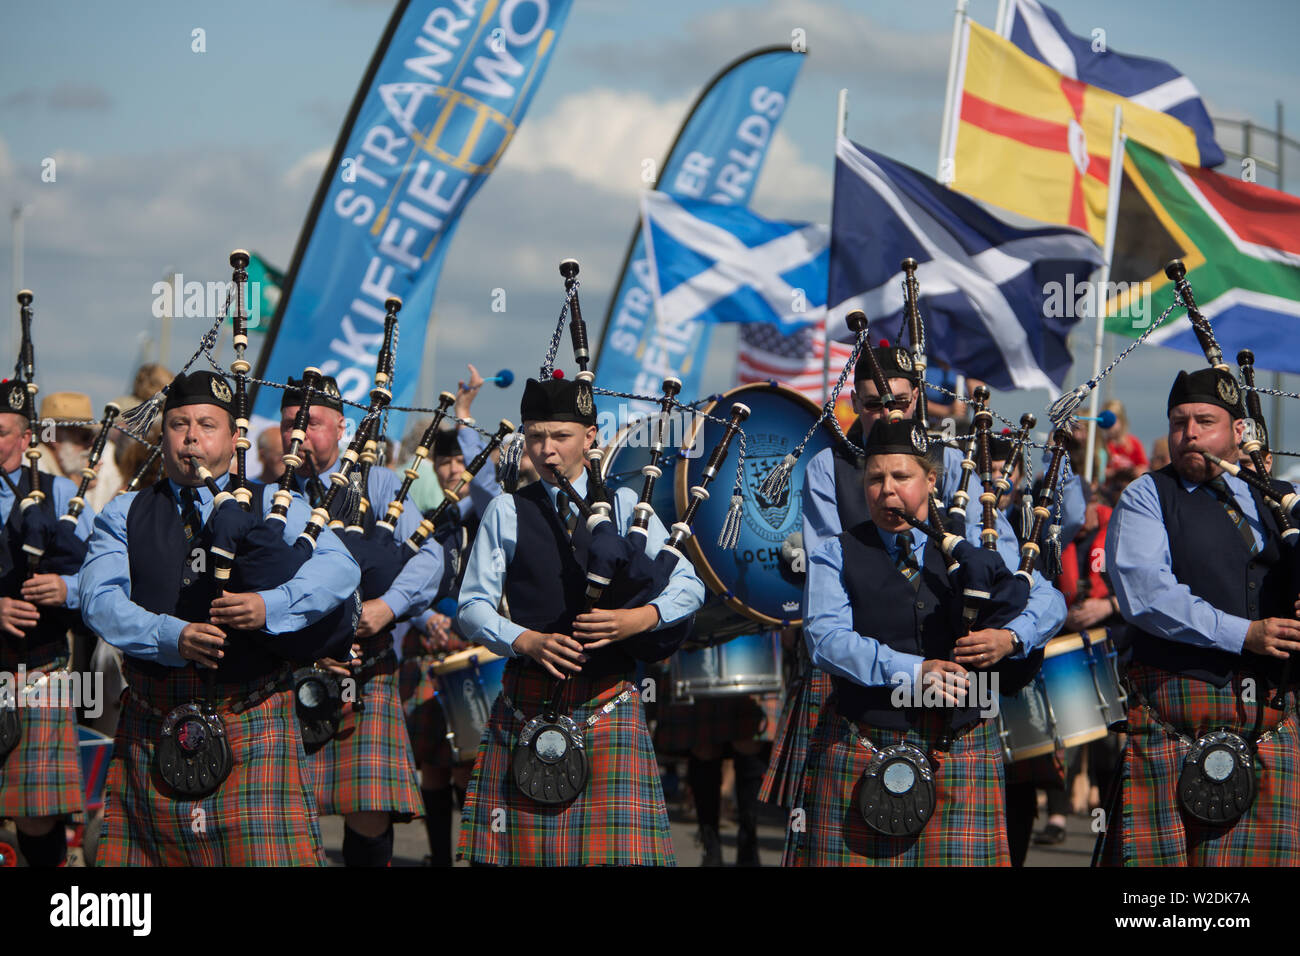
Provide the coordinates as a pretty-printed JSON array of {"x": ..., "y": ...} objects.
[
  {"x": 711, "y": 843},
  {"x": 1051, "y": 835},
  {"x": 747, "y": 847}
]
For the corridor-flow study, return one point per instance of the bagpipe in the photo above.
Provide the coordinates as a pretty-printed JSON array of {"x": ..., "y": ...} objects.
[
  {"x": 619, "y": 572},
  {"x": 42, "y": 543}
]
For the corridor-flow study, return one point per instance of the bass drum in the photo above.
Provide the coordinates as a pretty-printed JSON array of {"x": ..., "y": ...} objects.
[
  {"x": 753, "y": 580},
  {"x": 629, "y": 452}
]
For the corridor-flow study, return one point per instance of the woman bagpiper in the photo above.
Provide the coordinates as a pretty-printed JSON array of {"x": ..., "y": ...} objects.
[{"x": 905, "y": 768}]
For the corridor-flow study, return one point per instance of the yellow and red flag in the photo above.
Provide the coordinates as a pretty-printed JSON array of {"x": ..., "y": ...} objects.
[{"x": 1036, "y": 142}]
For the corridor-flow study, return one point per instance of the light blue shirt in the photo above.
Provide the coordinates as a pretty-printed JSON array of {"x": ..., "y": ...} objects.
[
  {"x": 494, "y": 549},
  {"x": 416, "y": 586},
  {"x": 835, "y": 647},
  {"x": 324, "y": 580},
  {"x": 1142, "y": 576},
  {"x": 64, "y": 490}
]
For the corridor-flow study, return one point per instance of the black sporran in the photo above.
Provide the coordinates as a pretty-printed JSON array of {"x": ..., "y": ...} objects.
[
  {"x": 1217, "y": 782},
  {"x": 318, "y": 702},
  {"x": 896, "y": 796},
  {"x": 193, "y": 756},
  {"x": 549, "y": 764}
]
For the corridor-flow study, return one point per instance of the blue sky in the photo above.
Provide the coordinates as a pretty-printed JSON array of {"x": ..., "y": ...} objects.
[{"x": 167, "y": 159}]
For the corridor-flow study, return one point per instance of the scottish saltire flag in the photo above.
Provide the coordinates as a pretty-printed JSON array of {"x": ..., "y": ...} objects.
[
  {"x": 984, "y": 282},
  {"x": 1040, "y": 32},
  {"x": 718, "y": 156},
  {"x": 717, "y": 263},
  {"x": 443, "y": 95},
  {"x": 1240, "y": 243}
]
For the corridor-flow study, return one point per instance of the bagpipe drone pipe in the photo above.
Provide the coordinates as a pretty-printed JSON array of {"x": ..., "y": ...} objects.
[{"x": 36, "y": 541}]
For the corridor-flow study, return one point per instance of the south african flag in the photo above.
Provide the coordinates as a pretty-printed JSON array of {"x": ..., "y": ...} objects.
[{"x": 1240, "y": 243}]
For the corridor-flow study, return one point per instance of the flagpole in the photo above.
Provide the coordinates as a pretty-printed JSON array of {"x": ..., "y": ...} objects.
[
  {"x": 946, "y": 136},
  {"x": 1108, "y": 253},
  {"x": 841, "y": 129}
]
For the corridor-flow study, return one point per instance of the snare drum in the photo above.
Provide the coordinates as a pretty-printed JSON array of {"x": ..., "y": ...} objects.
[
  {"x": 754, "y": 579},
  {"x": 1026, "y": 725},
  {"x": 1083, "y": 685},
  {"x": 747, "y": 665},
  {"x": 468, "y": 682}
]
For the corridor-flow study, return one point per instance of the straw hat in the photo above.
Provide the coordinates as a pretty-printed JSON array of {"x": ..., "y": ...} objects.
[{"x": 67, "y": 407}]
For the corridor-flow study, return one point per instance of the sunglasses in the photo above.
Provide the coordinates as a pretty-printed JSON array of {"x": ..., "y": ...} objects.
[{"x": 876, "y": 405}]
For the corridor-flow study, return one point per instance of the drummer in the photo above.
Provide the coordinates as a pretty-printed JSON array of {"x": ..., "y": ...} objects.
[
  {"x": 523, "y": 551},
  {"x": 881, "y": 617},
  {"x": 1210, "y": 638},
  {"x": 709, "y": 730},
  {"x": 435, "y": 631}
]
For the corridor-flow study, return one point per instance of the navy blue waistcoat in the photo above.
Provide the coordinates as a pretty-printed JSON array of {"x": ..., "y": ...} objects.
[
  {"x": 1210, "y": 557},
  {"x": 164, "y": 581},
  {"x": 48, "y": 639},
  {"x": 924, "y": 622},
  {"x": 850, "y": 495},
  {"x": 545, "y": 584}
]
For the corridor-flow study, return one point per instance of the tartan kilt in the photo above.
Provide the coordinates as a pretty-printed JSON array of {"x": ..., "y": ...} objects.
[
  {"x": 1150, "y": 829},
  {"x": 619, "y": 819},
  {"x": 783, "y": 781},
  {"x": 969, "y": 824},
  {"x": 715, "y": 721},
  {"x": 368, "y": 764},
  {"x": 41, "y": 777},
  {"x": 264, "y": 813}
]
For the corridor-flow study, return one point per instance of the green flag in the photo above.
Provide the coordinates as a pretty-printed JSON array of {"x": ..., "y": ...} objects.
[{"x": 264, "y": 282}]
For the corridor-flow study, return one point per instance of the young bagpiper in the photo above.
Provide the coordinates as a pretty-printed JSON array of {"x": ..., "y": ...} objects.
[
  {"x": 893, "y": 779},
  {"x": 40, "y": 777},
  {"x": 569, "y": 724},
  {"x": 1211, "y": 773},
  {"x": 147, "y": 588}
]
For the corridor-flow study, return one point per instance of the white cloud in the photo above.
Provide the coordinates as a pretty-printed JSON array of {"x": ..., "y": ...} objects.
[
  {"x": 306, "y": 171},
  {"x": 600, "y": 137},
  {"x": 604, "y": 138}
]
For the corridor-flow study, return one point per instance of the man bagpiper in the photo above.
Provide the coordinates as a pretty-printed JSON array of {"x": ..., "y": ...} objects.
[
  {"x": 366, "y": 771},
  {"x": 568, "y": 700},
  {"x": 147, "y": 588},
  {"x": 894, "y": 780},
  {"x": 40, "y": 778},
  {"x": 1210, "y": 774}
]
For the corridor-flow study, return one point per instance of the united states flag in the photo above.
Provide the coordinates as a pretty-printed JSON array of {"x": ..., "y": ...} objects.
[{"x": 794, "y": 360}]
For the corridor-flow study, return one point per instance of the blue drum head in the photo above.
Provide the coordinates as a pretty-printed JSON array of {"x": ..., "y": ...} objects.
[
  {"x": 754, "y": 579},
  {"x": 629, "y": 452}
]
